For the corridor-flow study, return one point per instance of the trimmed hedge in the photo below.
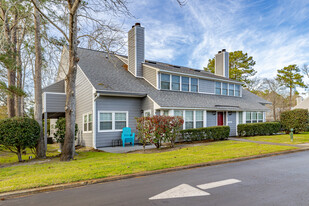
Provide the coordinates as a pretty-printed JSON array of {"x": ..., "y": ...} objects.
[
  {"x": 296, "y": 119},
  {"x": 206, "y": 133},
  {"x": 262, "y": 128}
]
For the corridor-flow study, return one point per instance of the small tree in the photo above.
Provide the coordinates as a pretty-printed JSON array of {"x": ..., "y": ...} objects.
[
  {"x": 144, "y": 130},
  {"x": 176, "y": 125},
  {"x": 290, "y": 77},
  {"x": 296, "y": 119},
  {"x": 60, "y": 131},
  {"x": 19, "y": 133}
]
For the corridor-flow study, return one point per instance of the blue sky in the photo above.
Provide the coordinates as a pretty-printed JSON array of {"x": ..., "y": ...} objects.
[{"x": 275, "y": 33}]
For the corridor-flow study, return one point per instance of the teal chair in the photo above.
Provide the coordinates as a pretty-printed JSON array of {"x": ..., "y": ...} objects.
[{"x": 127, "y": 136}]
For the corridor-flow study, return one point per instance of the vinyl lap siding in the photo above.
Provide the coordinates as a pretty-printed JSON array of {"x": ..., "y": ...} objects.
[
  {"x": 232, "y": 123},
  {"x": 131, "y": 51},
  {"x": 147, "y": 104},
  {"x": 57, "y": 87},
  {"x": 211, "y": 119},
  {"x": 54, "y": 102},
  {"x": 84, "y": 104},
  {"x": 140, "y": 53},
  {"x": 206, "y": 86},
  {"x": 132, "y": 105},
  {"x": 150, "y": 75}
]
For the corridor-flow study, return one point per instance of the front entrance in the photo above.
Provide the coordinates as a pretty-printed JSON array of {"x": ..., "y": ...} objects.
[{"x": 220, "y": 119}]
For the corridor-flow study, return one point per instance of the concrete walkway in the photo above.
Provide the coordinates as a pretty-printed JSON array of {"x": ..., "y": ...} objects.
[
  {"x": 269, "y": 143},
  {"x": 125, "y": 149}
]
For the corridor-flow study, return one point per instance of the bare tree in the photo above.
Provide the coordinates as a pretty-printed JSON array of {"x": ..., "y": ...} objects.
[
  {"x": 73, "y": 7},
  {"x": 41, "y": 146}
]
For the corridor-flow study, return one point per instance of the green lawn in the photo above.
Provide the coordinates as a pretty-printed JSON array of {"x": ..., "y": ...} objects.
[
  {"x": 284, "y": 138},
  {"x": 7, "y": 157},
  {"x": 92, "y": 165}
]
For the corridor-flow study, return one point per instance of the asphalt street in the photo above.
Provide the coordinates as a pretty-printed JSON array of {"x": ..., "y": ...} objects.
[{"x": 279, "y": 180}]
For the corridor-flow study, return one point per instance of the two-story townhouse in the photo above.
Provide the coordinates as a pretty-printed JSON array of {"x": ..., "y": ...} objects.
[{"x": 111, "y": 90}]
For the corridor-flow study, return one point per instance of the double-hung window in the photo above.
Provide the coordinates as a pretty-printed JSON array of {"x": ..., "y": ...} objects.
[
  {"x": 224, "y": 88},
  {"x": 254, "y": 117},
  {"x": 185, "y": 84},
  {"x": 237, "y": 90},
  {"x": 199, "y": 119},
  {"x": 231, "y": 89},
  {"x": 218, "y": 88},
  {"x": 260, "y": 117},
  {"x": 248, "y": 117},
  {"x": 194, "y": 85},
  {"x": 112, "y": 121},
  {"x": 175, "y": 83},
  {"x": 87, "y": 122},
  {"x": 189, "y": 119},
  {"x": 120, "y": 120},
  {"x": 240, "y": 118},
  {"x": 179, "y": 113},
  {"x": 165, "y": 81}
]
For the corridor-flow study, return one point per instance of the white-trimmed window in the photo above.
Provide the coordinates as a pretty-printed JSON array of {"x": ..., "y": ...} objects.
[
  {"x": 175, "y": 83},
  {"x": 199, "y": 120},
  {"x": 248, "y": 117},
  {"x": 189, "y": 119},
  {"x": 112, "y": 121},
  {"x": 165, "y": 81},
  {"x": 224, "y": 88},
  {"x": 231, "y": 89},
  {"x": 185, "y": 84},
  {"x": 194, "y": 85},
  {"x": 87, "y": 122},
  {"x": 240, "y": 118},
  {"x": 237, "y": 90},
  {"x": 147, "y": 113},
  {"x": 260, "y": 117},
  {"x": 179, "y": 113},
  {"x": 254, "y": 117},
  {"x": 218, "y": 88}
]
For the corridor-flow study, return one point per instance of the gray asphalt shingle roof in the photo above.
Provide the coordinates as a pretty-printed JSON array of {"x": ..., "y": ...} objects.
[{"x": 108, "y": 74}]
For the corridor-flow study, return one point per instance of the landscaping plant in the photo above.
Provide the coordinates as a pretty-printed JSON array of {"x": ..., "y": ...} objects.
[
  {"x": 261, "y": 128},
  {"x": 19, "y": 133},
  {"x": 206, "y": 133},
  {"x": 296, "y": 119},
  {"x": 60, "y": 131},
  {"x": 158, "y": 129}
]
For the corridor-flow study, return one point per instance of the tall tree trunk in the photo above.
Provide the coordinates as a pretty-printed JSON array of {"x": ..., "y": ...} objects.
[
  {"x": 41, "y": 147},
  {"x": 290, "y": 97},
  {"x": 18, "y": 84},
  {"x": 10, "y": 97},
  {"x": 67, "y": 153}
]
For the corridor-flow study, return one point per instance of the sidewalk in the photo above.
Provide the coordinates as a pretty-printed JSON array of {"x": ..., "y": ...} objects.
[{"x": 304, "y": 146}]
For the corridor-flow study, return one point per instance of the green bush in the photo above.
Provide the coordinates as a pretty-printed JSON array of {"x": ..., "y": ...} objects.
[
  {"x": 262, "y": 128},
  {"x": 60, "y": 132},
  {"x": 19, "y": 133},
  {"x": 206, "y": 133},
  {"x": 296, "y": 119}
]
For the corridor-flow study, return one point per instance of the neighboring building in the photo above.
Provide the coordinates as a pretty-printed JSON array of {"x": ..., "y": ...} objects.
[
  {"x": 111, "y": 90},
  {"x": 302, "y": 103}
]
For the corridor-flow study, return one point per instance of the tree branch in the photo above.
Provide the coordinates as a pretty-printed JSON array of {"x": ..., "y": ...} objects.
[{"x": 50, "y": 21}]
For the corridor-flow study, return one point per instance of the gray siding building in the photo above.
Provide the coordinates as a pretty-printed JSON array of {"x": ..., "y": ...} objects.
[{"x": 112, "y": 90}]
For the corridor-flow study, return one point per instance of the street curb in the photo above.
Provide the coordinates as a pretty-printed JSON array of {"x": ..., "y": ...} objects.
[{"x": 20, "y": 193}]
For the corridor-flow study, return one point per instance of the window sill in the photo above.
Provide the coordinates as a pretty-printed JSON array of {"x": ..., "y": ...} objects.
[{"x": 118, "y": 130}]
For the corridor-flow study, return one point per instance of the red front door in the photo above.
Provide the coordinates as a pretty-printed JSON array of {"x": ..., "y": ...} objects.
[{"x": 220, "y": 118}]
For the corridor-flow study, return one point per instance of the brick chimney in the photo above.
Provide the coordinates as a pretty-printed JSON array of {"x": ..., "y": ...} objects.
[
  {"x": 136, "y": 49},
  {"x": 222, "y": 63}
]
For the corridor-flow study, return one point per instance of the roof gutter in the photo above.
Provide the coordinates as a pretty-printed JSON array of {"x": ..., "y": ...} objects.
[{"x": 121, "y": 94}]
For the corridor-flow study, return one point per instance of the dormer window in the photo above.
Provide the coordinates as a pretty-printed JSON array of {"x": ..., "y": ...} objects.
[
  {"x": 231, "y": 89},
  {"x": 185, "y": 84},
  {"x": 194, "y": 85},
  {"x": 175, "y": 83},
  {"x": 218, "y": 88},
  {"x": 224, "y": 88},
  {"x": 165, "y": 81}
]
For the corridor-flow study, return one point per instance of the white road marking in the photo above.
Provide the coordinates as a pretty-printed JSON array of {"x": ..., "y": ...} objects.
[
  {"x": 218, "y": 184},
  {"x": 182, "y": 190}
]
